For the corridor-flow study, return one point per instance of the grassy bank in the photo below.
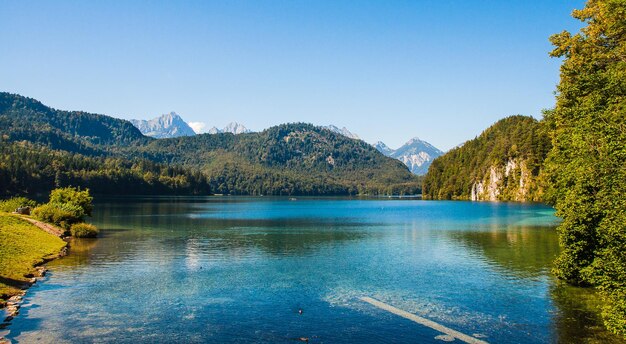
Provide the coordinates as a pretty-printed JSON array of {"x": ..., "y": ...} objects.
[{"x": 22, "y": 246}]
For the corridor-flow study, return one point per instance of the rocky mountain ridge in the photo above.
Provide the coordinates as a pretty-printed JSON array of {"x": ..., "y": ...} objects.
[
  {"x": 416, "y": 154},
  {"x": 164, "y": 126},
  {"x": 343, "y": 131},
  {"x": 232, "y": 127}
]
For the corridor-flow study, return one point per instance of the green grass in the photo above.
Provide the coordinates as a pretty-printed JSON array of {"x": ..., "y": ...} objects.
[{"x": 22, "y": 246}]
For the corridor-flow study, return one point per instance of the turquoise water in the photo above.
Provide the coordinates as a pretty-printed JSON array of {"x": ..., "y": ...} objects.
[{"x": 222, "y": 269}]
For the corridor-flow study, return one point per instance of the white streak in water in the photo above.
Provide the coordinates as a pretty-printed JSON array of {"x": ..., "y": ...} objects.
[{"x": 423, "y": 321}]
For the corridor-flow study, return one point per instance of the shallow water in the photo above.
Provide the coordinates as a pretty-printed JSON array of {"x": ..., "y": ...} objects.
[{"x": 227, "y": 269}]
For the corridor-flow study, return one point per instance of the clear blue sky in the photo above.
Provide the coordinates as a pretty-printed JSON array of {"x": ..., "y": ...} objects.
[{"x": 387, "y": 70}]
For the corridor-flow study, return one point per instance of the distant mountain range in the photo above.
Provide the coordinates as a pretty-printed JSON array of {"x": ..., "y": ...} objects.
[
  {"x": 416, "y": 154},
  {"x": 44, "y": 148},
  {"x": 172, "y": 125},
  {"x": 343, "y": 131},
  {"x": 232, "y": 127},
  {"x": 164, "y": 126}
]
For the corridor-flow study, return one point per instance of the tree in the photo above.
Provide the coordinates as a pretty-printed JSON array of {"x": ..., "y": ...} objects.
[
  {"x": 586, "y": 168},
  {"x": 74, "y": 197}
]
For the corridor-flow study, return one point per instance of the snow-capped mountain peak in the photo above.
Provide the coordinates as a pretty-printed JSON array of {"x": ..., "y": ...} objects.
[
  {"x": 383, "y": 148},
  {"x": 343, "y": 131},
  {"x": 232, "y": 127},
  {"x": 416, "y": 154},
  {"x": 166, "y": 125},
  {"x": 235, "y": 128}
]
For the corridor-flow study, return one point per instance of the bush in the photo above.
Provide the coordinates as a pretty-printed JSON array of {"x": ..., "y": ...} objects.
[
  {"x": 74, "y": 196},
  {"x": 84, "y": 230},
  {"x": 61, "y": 215},
  {"x": 75, "y": 210},
  {"x": 9, "y": 205}
]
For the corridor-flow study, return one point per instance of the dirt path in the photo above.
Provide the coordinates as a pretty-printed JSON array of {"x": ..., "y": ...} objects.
[{"x": 52, "y": 229}]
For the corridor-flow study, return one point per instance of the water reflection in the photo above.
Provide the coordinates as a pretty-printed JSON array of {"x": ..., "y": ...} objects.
[
  {"x": 528, "y": 252},
  {"x": 238, "y": 269}
]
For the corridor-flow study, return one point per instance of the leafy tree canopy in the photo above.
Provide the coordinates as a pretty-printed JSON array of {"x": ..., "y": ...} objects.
[{"x": 586, "y": 168}]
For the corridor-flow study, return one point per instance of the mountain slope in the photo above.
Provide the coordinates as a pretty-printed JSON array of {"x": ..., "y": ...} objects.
[
  {"x": 164, "y": 126},
  {"x": 23, "y": 118},
  {"x": 416, "y": 154},
  {"x": 286, "y": 159},
  {"x": 383, "y": 148},
  {"x": 503, "y": 163},
  {"x": 303, "y": 158}
]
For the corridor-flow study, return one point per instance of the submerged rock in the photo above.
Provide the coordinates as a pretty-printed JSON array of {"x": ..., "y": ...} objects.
[{"x": 445, "y": 338}]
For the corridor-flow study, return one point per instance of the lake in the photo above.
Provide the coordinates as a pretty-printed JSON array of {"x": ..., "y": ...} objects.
[{"x": 237, "y": 269}]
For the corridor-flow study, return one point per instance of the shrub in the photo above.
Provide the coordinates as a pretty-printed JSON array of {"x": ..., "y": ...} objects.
[
  {"x": 74, "y": 196},
  {"x": 84, "y": 230},
  {"x": 75, "y": 210},
  {"x": 9, "y": 205},
  {"x": 60, "y": 215}
]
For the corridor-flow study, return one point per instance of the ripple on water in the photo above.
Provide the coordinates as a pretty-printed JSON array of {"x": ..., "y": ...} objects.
[{"x": 240, "y": 273}]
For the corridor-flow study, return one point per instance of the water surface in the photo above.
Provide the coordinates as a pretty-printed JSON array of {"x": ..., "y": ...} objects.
[{"x": 225, "y": 269}]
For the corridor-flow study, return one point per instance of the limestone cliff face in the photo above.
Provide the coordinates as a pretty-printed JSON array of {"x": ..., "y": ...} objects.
[{"x": 512, "y": 181}]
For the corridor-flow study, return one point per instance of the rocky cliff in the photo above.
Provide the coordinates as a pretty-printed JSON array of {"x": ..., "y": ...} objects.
[{"x": 512, "y": 181}]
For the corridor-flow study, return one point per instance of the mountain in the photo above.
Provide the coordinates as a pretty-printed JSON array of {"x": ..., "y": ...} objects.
[
  {"x": 43, "y": 148},
  {"x": 232, "y": 127},
  {"x": 343, "y": 131},
  {"x": 416, "y": 154},
  {"x": 502, "y": 164},
  {"x": 295, "y": 158},
  {"x": 26, "y": 119},
  {"x": 164, "y": 126},
  {"x": 383, "y": 148}
]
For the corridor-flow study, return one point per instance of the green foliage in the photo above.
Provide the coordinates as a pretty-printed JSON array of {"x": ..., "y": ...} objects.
[
  {"x": 73, "y": 198},
  {"x": 62, "y": 215},
  {"x": 67, "y": 206},
  {"x": 9, "y": 205},
  {"x": 22, "y": 245},
  {"x": 452, "y": 175},
  {"x": 585, "y": 168},
  {"x": 84, "y": 230}
]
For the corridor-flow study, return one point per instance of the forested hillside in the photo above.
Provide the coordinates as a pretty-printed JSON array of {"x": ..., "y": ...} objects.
[
  {"x": 503, "y": 163},
  {"x": 287, "y": 159},
  {"x": 28, "y": 169},
  {"x": 112, "y": 156},
  {"x": 23, "y": 118}
]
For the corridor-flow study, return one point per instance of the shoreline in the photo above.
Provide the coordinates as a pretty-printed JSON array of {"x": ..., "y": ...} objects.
[{"x": 10, "y": 304}]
